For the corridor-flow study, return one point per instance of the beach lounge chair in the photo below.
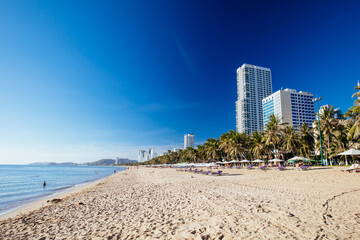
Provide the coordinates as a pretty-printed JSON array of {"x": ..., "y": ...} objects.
[
  {"x": 216, "y": 173},
  {"x": 352, "y": 168},
  {"x": 304, "y": 167},
  {"x": 206, "y": 172},
  {"x": 263, "y": 168},
  {"x": 281, "y": 168},
  {"x": 250, "y": 167}
]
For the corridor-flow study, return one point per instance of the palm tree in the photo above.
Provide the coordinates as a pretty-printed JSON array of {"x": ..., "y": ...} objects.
[
  {"x": 212, "y": 148},
  {"x": 258, "y": 147},
  {"x": 225, "y": 142},
  {"x": 201, "y": 153},
  {"x": 272, "y": 137},
  {"x": 328, "y": 125},
  {"x": 239, "y": 145},
  {"x": 290, "y": 140},
  {"x": 306, "y": 140}
]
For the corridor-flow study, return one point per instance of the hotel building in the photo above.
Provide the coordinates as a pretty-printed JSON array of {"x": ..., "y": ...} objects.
[
  {"x": 253, "y": 85},
  {"x": 142, "y": 156},
  {"x": 189, "y": 140},
  {"x": 291, "y": 107}
]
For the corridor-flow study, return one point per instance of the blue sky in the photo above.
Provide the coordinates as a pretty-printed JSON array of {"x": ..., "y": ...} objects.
[{"x": 83, "y": 80}]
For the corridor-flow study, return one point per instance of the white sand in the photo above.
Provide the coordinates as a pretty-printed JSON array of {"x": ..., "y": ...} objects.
[{"x": 166, "y": 204}]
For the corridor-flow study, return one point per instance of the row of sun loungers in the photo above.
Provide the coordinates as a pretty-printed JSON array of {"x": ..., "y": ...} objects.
[
  {"x": 264, "y": 168},
  {"x": 218, "y": 173}
]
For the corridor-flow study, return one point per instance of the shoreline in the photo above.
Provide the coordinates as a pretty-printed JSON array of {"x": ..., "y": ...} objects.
[
  {"x": 43, "y": 201},
  {"x": 162, "y": 203}
]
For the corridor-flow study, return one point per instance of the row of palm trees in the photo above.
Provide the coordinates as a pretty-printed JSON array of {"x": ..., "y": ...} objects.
[{"x": 278, "y": 140}]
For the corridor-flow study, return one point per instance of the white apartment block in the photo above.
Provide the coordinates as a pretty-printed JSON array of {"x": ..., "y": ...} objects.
[
  {"x": 147, "y": 155},
  {"x": 189, "y": 140},
  {"x": 253, "y": 85},
  {"x": 291, "y": 107},
  {"x": 142, "y": 156}
]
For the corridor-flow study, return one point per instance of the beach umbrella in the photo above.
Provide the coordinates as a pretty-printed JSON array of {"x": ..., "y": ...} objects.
[
  {"x": 297, "y": 158},
  {"x": 350, "y": 152},
  {"x": 235, "y": 161},
  {"x": 244, "y": 160},
  {"x": 258, "y": 161},
  {"x": 276, "y": 160}
]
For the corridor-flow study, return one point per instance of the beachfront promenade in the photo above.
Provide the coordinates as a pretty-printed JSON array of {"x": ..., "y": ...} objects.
[{"x": 149, "y": 203}]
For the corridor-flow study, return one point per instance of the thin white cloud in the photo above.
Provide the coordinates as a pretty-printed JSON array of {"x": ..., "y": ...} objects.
[{"x": 186, "y": 56}]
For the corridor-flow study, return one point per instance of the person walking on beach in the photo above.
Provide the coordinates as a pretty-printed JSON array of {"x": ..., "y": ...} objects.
[{"x": 114, "y": 171}]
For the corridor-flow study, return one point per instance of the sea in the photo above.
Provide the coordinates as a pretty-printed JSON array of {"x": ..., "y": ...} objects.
[{"x": 23, "y": 184}]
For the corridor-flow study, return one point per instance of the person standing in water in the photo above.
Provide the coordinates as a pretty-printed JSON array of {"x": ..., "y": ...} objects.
[{"x": 44, "y": 184}]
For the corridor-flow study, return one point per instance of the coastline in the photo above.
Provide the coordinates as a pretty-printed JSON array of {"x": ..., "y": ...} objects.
[
  {"x": 148, "y": 203},
  {"x": 42, "y": 201}
]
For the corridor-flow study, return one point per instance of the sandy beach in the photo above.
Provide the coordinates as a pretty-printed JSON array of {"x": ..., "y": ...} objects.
[{"x": 151, "y": 203}]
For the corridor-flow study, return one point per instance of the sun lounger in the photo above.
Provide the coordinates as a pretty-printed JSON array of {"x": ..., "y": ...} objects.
[
  {"x": 216, "y": 173},
  {"x": 281, "y": 168},
  {"x": 263, "y": 168},
  {"x": 206, "y": 172},
  {"x": 352, "y": 168},
  {"x": 304, "y": 167},
  {"x": 250, "y": 167}
]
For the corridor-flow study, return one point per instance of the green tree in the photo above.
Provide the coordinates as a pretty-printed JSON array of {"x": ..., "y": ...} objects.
[
  {"x": 306, "y": 139},
  {"x": 290, "y": 140}
]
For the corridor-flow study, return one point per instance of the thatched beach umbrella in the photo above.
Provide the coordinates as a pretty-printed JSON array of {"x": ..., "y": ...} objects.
[
  {"x": 350, "y": 152},
  {"x": 244, "y": 161},
  {"x": 258, "y": 161},
  {"x": 275, "y": 160}
]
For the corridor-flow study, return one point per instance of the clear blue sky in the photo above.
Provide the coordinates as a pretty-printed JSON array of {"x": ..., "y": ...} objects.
[{"x": 83, "y": 80}]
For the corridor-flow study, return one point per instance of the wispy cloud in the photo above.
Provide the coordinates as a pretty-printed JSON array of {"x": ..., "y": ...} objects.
[{"x": 186, "y": 56}]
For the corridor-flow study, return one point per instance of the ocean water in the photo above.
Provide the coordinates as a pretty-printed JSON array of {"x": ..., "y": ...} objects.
[{"x": 22, "y": 184}]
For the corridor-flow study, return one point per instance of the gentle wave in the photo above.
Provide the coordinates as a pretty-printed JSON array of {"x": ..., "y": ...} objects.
[{"x": 22, "y": 184}]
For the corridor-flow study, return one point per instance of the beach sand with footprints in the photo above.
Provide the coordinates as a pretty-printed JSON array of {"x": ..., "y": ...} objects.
[{"x": 148, "y": 203}]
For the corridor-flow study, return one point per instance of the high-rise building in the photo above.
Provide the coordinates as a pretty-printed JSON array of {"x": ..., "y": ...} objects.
[
  {"x": 147, "y": 155},
  {"x": 142, "y": 156},
  {"x": 152, "y": 153},
  {"x": 291, "y": 107},
  {"x": 189, "y": 140},
  {"x": 253, "y": 85}
]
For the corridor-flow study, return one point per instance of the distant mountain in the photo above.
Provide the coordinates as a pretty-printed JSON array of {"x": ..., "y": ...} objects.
[
  {"x": 124, "y": 161},
  {"x": 54, "y": 163},
  {"x": 101, "y": 162}
]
